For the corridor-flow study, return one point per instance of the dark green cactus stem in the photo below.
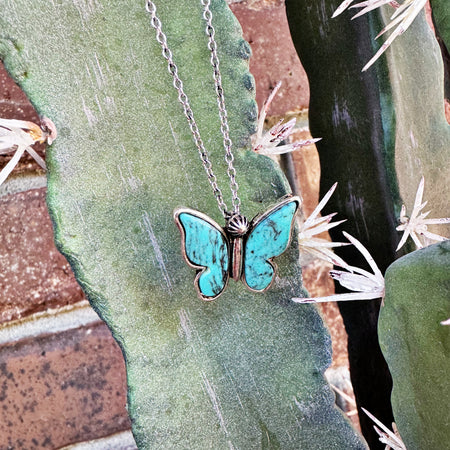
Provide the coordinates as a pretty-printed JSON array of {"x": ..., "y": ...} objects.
[
  {"x": 382, "y": 130},
  {"x": 417, "y": 346},
  {"x": 441, "y": 18},
  {"x": 245, "y": 371},
  {"x": 345, "y": 110}
]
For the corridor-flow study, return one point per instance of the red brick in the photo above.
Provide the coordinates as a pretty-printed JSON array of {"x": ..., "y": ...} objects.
[
  {"x": 60, "y": 389},
  {"x": 317, "y": 281},
  {"x": 274, "y": 57},
  {"x": 307, "y": 168},
  {"x": 34, "y": 276}
]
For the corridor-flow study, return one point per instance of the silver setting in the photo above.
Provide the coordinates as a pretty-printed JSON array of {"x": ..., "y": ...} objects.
[{"x": 237, "y": 225}]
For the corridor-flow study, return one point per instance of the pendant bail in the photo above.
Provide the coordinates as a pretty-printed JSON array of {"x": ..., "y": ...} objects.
[{"x": 237, "y": 225}]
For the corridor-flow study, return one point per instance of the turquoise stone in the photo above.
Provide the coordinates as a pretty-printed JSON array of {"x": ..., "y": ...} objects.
[
  {"x": 205, "y": 245},
  {"x": 269, "y": 238}
]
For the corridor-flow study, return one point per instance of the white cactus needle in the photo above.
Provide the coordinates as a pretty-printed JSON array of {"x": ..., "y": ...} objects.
[
  {"x": 417, "y": 224},
  {"x": 366, "y": 285},
  {"x": 391, "y": 438},
  {"x": 19, "y": 136},
  {"x": 402, "y": 18},
  {"x": 267, "y": 143},
  {"x": 314, "y": 225}
]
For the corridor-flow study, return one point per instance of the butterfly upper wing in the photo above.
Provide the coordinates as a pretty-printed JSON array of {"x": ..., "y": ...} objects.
[
  {"x": 269, "y": 237},
  {"x": 205, "y": 247}
]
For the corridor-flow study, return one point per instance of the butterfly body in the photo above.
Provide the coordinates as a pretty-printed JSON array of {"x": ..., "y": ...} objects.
[
  {"x": 237, "y": 258},
  {"x": 241, "y": 251}
]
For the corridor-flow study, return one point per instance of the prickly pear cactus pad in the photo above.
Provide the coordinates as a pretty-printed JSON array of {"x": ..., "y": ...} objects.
[
  {"x": 417, "y": 346},
  {"x": 244, "y": 371}
]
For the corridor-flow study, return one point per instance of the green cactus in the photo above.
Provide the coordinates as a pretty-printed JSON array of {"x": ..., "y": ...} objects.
[
  {"x": 416, "y": 345},
  {"x": 441, "y": 20},
  {"x": 382, "y": 130},
  {"x": 441, "y": 17},
  {"x": 348, "y": 111},
  {"x": 245, "y": 371}
]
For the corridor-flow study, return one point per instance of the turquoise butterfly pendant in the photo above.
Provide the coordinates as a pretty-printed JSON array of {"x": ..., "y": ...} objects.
[{"x": 241, "y": 250}]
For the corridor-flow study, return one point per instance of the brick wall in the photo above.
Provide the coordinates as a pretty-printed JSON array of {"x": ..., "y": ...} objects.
[{"x": 62, "y": 376}]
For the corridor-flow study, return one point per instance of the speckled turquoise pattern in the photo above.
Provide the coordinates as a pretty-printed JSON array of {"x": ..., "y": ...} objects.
[
  {"x": 205, "y": 245},
  {"x": 269, "y": 238}
]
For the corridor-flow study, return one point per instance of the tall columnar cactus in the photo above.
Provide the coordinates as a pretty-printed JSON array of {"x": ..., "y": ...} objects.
[
  {"x": 382, "y": 130},
  {"x": 245, "y": 371}
]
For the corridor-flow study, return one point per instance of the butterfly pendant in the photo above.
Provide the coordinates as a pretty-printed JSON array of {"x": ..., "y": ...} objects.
[{"x": 241, "y": 250}]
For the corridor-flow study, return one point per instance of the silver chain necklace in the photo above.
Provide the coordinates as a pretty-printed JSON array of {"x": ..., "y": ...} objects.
[
  {"x": 241, "y": 250},
  {"x": 183, "y": 99}
]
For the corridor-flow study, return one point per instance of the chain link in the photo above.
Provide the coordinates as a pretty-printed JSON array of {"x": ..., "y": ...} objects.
[
  {"x": 183, "y": 99},
  {"x": 229, "y": 158}
]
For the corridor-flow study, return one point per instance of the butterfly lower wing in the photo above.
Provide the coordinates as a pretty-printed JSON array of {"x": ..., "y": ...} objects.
[
  {"x": 205, "y": 247},
  {"x": 269, "y": 237}
]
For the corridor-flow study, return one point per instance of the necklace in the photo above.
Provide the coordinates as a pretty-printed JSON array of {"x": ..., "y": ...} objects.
[{"x": 241, "y": 250}]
